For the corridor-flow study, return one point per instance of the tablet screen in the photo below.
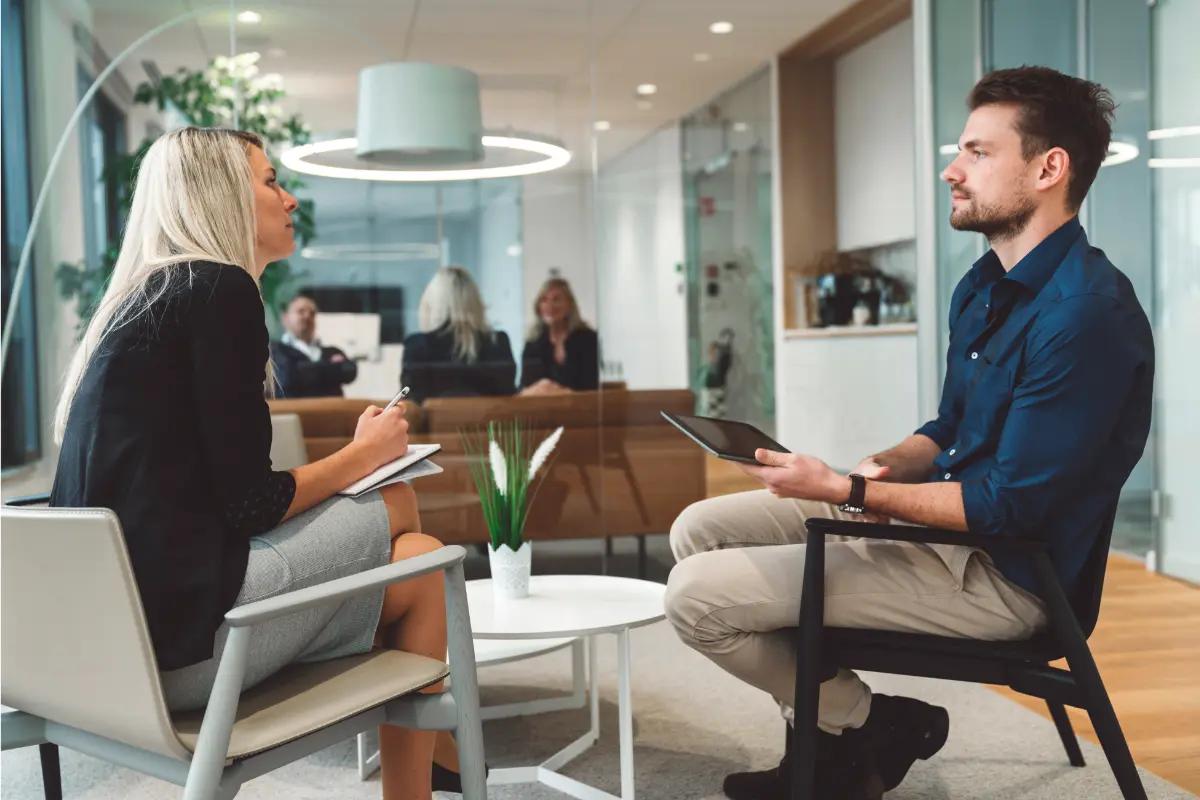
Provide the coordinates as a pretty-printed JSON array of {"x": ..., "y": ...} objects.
[{"x": 726, "y": 438}]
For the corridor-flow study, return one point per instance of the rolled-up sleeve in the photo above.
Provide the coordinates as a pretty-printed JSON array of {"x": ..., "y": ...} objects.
[
  {"x": 1081, "y": 367},
  {"x": 229, "y": 348}
]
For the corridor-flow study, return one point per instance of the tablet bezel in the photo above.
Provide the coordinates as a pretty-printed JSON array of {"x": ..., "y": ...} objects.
[{"x": 678, "y": 421}]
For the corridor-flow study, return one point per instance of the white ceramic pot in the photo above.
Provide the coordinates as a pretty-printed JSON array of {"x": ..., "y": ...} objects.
[{"x": 510, "y": 571}]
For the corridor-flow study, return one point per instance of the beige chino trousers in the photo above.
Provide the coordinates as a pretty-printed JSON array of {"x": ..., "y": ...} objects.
[{"x": 735, "y": 593}]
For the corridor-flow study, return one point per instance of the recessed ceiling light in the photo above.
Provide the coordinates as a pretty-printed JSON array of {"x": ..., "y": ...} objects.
[
  {"x": 646, "y": 89},
  {"x": 644, "y": 105},
  {"x": 601, "y": 125},
  {"x": 250, "y": 17},
  {"x": 741, "y": 127},
  {"x": 277, "y": 52},
  {"x": 721, "y": 27},
  {"x": 702, "y": 57}
]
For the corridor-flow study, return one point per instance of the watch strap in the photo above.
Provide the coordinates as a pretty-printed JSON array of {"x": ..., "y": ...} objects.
[{"x": 856, "y": 504}]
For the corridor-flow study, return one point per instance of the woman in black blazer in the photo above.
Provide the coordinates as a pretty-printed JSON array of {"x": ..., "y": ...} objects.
[
  {"x": 163, "y": 420},
  {"x": 562, "y": 353},
  {"x": 457, "y": 354}
]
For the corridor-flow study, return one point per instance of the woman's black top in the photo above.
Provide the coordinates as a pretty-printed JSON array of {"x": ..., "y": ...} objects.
[
  {"x": 580, "y": 370},
  {"x": 170, "y": 429},
  {"x": 430, "y": 367}
]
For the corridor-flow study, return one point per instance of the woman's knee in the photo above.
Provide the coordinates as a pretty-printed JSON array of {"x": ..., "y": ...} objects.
[
  {"x": 412, "y": 544},
  {"x": 401, "y": 501}
]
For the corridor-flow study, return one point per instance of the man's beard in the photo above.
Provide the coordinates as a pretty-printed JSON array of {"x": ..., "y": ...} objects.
[{"x": 998, "y": 223}]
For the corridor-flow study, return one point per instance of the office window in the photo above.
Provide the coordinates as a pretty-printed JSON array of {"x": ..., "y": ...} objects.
[{"x": 20, "y": 436}]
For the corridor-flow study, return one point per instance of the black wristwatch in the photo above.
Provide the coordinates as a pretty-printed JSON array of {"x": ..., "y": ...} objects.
[{"x": 857, "y": 504}]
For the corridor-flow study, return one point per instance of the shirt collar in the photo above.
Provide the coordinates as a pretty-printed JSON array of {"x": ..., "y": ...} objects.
[
  {"x": 305, "y": 347},
  {"x": 1039, "y": 264}
]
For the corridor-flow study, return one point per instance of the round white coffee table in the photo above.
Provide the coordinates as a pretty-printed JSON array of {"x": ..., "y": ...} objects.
[{"x": 573, "y": 606}]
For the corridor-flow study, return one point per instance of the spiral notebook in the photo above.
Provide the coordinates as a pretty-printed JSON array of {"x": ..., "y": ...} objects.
[{"x": 413, "y": 464}]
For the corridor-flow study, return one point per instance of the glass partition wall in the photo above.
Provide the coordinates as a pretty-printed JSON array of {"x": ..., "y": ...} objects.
[{"x": 1135, "y": 211}]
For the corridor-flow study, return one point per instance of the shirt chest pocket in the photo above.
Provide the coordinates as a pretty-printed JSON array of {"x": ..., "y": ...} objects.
[{"x": 989, "y": 398}]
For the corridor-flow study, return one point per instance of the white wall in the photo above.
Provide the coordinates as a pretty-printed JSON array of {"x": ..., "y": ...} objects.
[
  {"x": 874, "y": 122},
  {"x": 54, "y": 90},
  {"x": 640, "y": 243},
  {"x": 556, "y": 232},
  {"x": 846, "y": 397}
]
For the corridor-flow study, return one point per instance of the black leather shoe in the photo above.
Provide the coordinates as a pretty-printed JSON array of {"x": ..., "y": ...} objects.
[
  {"x": 447, "y": 780},
  {"x": 901, "y": 730},
  {"x": 836, "y": 777}
]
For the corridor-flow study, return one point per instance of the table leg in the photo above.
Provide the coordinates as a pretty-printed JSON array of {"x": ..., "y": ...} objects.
[
  {"x": 594, "y": 686},
  {"x": 625, "y": 714}
]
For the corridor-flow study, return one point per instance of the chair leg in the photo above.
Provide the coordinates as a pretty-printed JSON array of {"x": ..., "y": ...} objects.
[
  {"x": 1066, "y": 733},
  {"x": 1087, "y": 677},
  {"x": 51, "y": 771},
  {"x": 808, "y": 669},
  {"x": 641, "y": 556}
]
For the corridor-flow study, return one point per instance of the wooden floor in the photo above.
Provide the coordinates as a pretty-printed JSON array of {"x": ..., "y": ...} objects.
[{"x": 1147, "y": 645}]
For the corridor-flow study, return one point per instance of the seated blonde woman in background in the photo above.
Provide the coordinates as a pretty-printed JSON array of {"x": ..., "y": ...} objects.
[
  {"x": 456, "y": 354},
  {"x": 562, "y": 352},
  {"x": 163, "y": 419}
]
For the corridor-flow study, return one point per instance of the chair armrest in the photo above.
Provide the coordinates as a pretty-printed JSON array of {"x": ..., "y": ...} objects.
[
  {"x": 915, "y": 533},
  {"x": 301, "y": 599},
  {"x": 28, "y": 500}
]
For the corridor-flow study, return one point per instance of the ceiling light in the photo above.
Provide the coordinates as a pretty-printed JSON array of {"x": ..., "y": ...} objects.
[
  {"x": 646, "y": 89},
  {"x": 602, "y": 125},
  {"x": 948, "y": 149},
  {"x": 644, "y": 105},
  {"x": 1175, "y": 133},
  {"x": 554, "y": 157},
  {"x": 721, "y": 27},
  {"x": 700, "y": 58},
  {"x": 1119, "y": 153},
  {"x": 250, "y": 17},
  {"x": 1173, "y": 163},
  {"x": 741, "y": 127},
  {"x": 277, "y": 52},
  {"x": 419, "y": 115}
]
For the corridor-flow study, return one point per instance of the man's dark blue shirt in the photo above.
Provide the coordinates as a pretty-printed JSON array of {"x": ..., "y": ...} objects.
[{"x": 1046, "y": 405}]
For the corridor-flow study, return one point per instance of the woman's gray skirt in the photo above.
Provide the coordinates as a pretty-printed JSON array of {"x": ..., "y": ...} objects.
[{"x": 342, "y": 536}]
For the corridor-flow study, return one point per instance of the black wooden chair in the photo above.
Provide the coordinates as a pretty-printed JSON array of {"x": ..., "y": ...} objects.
[{"x": 1022, "y": 665}]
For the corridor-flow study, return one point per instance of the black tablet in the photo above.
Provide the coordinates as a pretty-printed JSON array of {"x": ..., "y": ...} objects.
[{"x": 725, "y": 438}]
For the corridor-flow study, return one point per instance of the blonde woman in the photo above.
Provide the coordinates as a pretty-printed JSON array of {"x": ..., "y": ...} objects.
[
  {"x": 163, "y": 420},
  {"x": 562, "y": 353},
  {"x": 456, "y": 354}
]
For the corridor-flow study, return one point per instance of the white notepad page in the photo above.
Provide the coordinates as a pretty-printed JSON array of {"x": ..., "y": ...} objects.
[{"x": 397, "y": 469}]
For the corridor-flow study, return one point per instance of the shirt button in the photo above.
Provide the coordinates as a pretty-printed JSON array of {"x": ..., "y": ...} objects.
[
  {"x": 974, "y": 356},
  {"x": 952, "y": 451},
  {"x": 947, "y": 476}
]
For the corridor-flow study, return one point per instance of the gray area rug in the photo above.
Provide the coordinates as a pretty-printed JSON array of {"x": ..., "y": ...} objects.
[{"x": 693, "y": 724}]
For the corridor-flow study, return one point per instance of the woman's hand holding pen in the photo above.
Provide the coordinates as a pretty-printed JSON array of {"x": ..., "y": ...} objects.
[{"x": 382, "y": 435}]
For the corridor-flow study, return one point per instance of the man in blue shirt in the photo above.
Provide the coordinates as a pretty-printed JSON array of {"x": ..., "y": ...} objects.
[{"x": 1044, "y": 413}]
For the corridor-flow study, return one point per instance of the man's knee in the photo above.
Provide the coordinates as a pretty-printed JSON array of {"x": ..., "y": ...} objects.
[
  {"x": 686, "y": 601},
  {"x": 688, "y": 530}
]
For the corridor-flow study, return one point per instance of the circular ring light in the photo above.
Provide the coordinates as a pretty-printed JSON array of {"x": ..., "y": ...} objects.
[{"x": 553, "y": 157}]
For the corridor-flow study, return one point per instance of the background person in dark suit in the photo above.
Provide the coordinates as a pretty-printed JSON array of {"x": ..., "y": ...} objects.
[
  {"x": 304, "y": 368},
  {"x": 562, "y": 352},
  {"x": 457, "y": 354}
]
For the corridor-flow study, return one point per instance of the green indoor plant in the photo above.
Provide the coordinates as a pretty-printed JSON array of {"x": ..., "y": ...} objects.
[
  {"x": 206, "y": 98},
  {"x": 506, "y": 468}
]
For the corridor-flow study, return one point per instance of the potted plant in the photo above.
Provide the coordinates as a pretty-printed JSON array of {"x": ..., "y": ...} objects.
[
  {"x": 206, "y": 98},
  {"x": 505, "y": 468}
]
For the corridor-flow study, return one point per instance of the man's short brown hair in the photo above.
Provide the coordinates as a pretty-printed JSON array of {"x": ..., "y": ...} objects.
[{"x": 1056, "y": 110}]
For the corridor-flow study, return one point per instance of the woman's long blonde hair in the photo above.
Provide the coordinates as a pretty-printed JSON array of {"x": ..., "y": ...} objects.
[
  {"x": 452, "y": 299},
  {"x": 193, "y": 201},
  {"x": 574, "y": 318}
]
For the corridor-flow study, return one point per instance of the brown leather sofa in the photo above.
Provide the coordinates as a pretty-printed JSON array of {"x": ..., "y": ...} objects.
[{"x": 620, "y": 469}]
